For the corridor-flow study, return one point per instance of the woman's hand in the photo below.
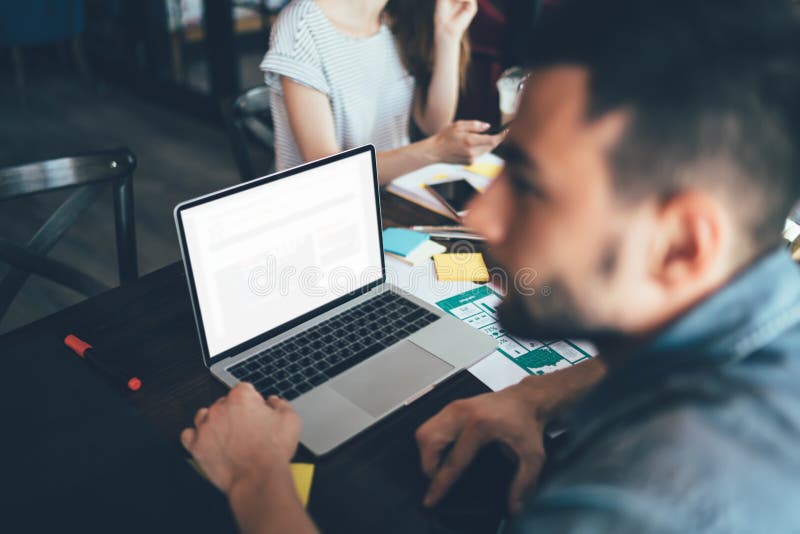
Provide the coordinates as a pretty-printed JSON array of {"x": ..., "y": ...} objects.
[
  {"x": 241, "y": 436},
  {"x": 462, "y": 142},
  {"x": 453, "y": 17}
]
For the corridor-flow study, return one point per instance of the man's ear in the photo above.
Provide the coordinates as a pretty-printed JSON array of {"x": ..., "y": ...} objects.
[
  {"x": 688, "y": 241},
  {"x": 610, "y": 128}
]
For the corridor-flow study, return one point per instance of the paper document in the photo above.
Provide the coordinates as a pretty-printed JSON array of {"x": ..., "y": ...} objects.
[
  {"x": 489, "y": 169},
  {"x": 421, "y": 280},
  {"x": 422, "y": 254},
  {"x": 478, "y": 308},
  {"x": 500, "y": 369},
  {"x": 791, "y": 232},
  {"x": 411, "y": 186}
]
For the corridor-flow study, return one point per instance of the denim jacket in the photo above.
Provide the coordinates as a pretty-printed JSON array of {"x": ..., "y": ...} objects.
[{"x": 699, "y": 432}]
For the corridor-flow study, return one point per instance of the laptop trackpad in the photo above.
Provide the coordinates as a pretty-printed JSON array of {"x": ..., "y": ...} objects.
[{"x": 383, "y": 382}]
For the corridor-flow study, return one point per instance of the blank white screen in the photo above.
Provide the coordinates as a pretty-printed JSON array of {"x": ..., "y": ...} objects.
[{"x": 266, "y": 255}]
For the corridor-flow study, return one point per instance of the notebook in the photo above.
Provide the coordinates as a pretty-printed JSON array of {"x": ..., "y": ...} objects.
[
  {"x": 402, "y": 241},
  {"x": 422, "y": 253},
  {"x": 411, "y": 186}
]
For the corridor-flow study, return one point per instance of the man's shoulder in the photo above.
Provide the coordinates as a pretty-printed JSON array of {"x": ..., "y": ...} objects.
[
  {"x": 710, "y": 428},
  {"x": 716, "y": 416},
  {"x": 715, "y": 452},
  {"x": 705, "y": 434}
]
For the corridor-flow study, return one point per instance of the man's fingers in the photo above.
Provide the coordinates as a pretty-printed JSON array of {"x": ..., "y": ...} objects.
[
  {"x": 430, "y": 450},
  {"x": 277, "y": 403},
  {"x": 243, "y": 390},
  {"x": 200, "y": 417},
  {"x": 527, "y": 472},
  {"x": 433, "y": 436},
  {"x": 244, "y": 387},
  {"x": 187, "y": 438},
  {"x": 459, "y": 458}
]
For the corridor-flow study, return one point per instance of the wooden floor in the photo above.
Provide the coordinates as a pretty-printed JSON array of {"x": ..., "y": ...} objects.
[{"x": 179, "y": 157}]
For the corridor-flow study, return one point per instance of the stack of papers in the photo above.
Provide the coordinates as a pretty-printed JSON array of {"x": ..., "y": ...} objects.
[
  {"x": 409, "y": 246},
  {"x": 791, "y": 233},
  {"x": 411, "y": 186}
]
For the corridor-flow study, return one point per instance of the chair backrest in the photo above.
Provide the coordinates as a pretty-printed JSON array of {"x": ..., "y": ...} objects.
[
  {"x": 88, "y": 175},
  {"x": 251, "y": 122}
]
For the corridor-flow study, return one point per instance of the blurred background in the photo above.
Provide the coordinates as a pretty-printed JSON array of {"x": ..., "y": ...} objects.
[{"x": 169, "y": 80}]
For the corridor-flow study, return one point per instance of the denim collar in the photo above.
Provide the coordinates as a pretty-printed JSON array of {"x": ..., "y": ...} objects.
[{"x": 748, "y": 313}]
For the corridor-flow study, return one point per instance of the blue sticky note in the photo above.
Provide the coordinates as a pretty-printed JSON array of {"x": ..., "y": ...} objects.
[{"x": 402, "y": 241}]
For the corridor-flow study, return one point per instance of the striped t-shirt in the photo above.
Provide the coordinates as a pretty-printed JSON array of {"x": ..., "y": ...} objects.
[{"x": 369, "y": 90}]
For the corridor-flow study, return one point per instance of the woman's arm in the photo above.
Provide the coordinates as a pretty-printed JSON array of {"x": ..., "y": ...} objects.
[
  {"x": 458, "y": 142},
  {"x": 451, "y": 20},
  {"x": 439, "y": 108},
  {"x": 311, "y": 121}
]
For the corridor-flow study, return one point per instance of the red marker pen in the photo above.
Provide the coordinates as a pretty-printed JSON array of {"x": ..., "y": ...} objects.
[{"x": 88, "y": 353}]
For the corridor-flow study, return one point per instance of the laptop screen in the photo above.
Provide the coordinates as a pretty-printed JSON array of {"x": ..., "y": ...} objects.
[{"x": 261, "y": 256}]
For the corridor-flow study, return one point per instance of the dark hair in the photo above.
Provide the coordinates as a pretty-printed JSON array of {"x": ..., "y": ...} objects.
[
  {"x": 711, "y": 85},
  {"x": 412, "y": 25}
]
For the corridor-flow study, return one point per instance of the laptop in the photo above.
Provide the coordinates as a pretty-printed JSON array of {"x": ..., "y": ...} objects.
[{"x": 288, "y": 284}]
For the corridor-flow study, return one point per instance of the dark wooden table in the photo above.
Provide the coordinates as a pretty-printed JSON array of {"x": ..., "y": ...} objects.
[{"x": 372, "y": 484}]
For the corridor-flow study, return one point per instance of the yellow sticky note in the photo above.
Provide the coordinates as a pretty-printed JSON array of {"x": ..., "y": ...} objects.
[
  {"x": 461, "y": 267},
  {"x": 489, "y": 170},
  {"x": 302, "y": 475},
  {"x": 438, "y": 178}
]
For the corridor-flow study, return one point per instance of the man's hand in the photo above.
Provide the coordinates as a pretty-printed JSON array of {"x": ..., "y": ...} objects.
[
  {"x": 244, "y": 446},
  {"x": 507, "y": 416},
  {"x": 515, "y": 416},
  {"x": 243, "y": 436}
]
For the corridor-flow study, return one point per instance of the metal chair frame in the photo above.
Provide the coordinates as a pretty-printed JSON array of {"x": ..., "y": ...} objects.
[
  {"x": 251, "y": 121},
  {"x": 88, "y": 174}
]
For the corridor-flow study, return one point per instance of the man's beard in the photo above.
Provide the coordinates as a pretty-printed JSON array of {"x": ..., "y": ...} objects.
[{"x": 554, "y": 316}]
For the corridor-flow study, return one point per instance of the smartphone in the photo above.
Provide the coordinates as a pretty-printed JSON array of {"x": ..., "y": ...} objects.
[
  {"x": 495, "y": 129},
  {"x": 454, "y": 194}
]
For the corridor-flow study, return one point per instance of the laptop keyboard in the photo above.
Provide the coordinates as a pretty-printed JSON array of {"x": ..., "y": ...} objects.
[{"x": 330, "y": 348}]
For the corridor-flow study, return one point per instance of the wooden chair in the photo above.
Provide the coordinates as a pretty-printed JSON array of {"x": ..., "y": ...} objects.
[
  {"x": 251, "y": 122},
  {"x": 88, "y": 175}
]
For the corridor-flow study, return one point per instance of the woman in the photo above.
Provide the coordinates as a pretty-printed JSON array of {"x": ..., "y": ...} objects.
[{"x": 349, "y": 72}]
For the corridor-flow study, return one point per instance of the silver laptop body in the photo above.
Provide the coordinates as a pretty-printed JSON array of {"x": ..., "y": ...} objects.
[{"x": 269, "y": 260}]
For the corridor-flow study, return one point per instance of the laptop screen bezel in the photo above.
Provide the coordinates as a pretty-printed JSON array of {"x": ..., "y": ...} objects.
[{"x": 209, "y": 360}]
